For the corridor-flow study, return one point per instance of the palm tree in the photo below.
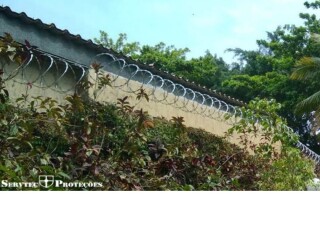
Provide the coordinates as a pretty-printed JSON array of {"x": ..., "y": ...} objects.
[{"x": 307, "y": 68}]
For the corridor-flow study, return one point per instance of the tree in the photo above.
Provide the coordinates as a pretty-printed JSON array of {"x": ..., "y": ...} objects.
[
  {"x": 308, "y": 68},
  {"x": 120, "y": 45},
  {"x": 166, "y": 58},
  {"x": 252, "y": 62},
  {"x": 207, "y": 70},
  {"x": 266, "y": 72}
]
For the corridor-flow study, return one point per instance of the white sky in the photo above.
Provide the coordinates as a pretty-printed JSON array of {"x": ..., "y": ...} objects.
[{"x": 199, "y": 25}]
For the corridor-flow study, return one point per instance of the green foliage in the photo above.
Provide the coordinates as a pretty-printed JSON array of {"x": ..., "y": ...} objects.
[
  {"x": 207, "y": 70},
  {"x": 307, "y": 68},
  {"x": 162, "y": 56},
  {"x": 279, "y": 166},
  {"x": 265, "y": 73},
  {"x": 10, "y": 50},
  {"x": 244, "y": 85},
  {"x": 120, "y": 45},
  {"x": 290, "y": 173},
  {"x": 123, "y": 148},
  {"x": 126, "y": 149},
  {"x": 4, "y": 94},
  {"x": 315, "y": 4},
  {"x": 252, "y": 62}
]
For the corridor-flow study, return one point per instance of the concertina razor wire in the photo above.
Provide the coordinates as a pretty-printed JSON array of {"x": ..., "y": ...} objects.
[{"x": 182, "y": 97}]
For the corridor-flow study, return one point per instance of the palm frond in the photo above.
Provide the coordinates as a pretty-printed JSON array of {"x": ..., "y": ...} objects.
[
  {"x": 309, "y": 104},
  {"x": 306, "y": 68}
]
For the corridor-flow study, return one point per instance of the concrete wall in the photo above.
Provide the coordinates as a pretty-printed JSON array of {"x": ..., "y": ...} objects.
[
  {"x": 161, "y": 104},
  {"x": 30, "y": 81},
  {"x": 172, "y": 106}
]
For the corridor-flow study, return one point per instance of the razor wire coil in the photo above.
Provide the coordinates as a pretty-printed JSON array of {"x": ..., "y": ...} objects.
[{"x": 162, "y": 90}]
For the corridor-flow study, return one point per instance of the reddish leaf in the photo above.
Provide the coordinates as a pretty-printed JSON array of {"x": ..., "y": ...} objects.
[{"x": 27, "y": 43}]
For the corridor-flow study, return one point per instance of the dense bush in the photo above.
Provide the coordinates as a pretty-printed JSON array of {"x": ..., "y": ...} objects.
[{"x": 126, "y": 150}]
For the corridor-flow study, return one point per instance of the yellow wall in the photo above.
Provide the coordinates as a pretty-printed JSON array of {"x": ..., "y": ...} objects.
[
  {"x": 172, "y": 106},
  {"x": 29, "y": 81},
  {"x": 217, "y": 124}
]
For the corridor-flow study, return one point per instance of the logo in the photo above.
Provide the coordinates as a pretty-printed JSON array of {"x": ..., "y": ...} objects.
[{"x": 46, "y": 181}]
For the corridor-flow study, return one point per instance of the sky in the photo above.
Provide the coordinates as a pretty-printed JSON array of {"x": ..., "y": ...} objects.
[{"x": 199, "y": 25}]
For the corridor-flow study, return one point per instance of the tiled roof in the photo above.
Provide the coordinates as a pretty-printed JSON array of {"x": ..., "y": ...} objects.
[{"x": 89, "y": 44}]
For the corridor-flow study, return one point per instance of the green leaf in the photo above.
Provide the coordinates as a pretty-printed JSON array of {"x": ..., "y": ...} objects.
[
  {"x": 48, "y": 169},
  {"x": 43, "y": 161},
  {"x": 89, "y": 152},
  {"x": 34, "y": 173},
  {"x": 62, "y": 174},
  {"x": 310, "y": 104},
  {"x": 8, "y": 171},
  {"x": 14, "y": 130}
]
